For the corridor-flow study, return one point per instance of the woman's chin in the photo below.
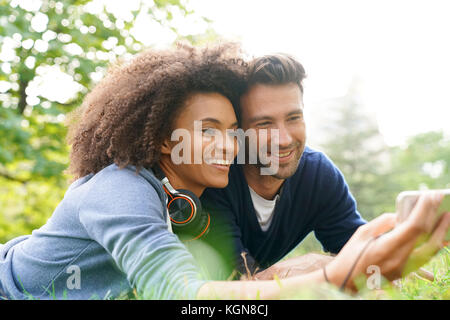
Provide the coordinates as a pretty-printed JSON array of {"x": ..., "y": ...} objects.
[{"x": 217, "y": 183}]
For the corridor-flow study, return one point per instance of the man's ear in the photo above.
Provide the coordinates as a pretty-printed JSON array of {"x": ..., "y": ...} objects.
[{"x": 166, "y": 148}]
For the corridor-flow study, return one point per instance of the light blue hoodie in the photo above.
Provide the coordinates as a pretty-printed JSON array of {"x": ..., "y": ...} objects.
[{"x": 108, "y": 236}]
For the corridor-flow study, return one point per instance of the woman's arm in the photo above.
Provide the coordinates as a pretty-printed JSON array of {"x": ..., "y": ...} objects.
[
  {"x": 124, "y": 214},
  {"x": 261, "y": 289}
]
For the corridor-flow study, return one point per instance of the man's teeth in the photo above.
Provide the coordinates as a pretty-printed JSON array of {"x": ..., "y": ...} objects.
[
  {"x": 221, "y": 162},
  {"x": 282, "y": 155}
]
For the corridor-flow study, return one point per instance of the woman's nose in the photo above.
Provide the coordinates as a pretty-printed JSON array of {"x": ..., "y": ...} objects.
[{"x": 227, "y": 145}]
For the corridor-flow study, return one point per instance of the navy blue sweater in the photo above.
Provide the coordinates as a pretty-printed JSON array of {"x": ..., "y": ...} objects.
[{"x": 316, "y": 198}]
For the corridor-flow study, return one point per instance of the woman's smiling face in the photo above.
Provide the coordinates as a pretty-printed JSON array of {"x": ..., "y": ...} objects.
[{"x": 206, "y": 121}]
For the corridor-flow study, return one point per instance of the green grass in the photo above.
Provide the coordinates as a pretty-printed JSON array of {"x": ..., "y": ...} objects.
[
  {"x": 412, "y": 287},
  {"x": 415, "y": 288}
]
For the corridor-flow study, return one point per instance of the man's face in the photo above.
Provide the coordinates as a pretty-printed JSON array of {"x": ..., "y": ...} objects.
[{"x": 277, "y": 107}]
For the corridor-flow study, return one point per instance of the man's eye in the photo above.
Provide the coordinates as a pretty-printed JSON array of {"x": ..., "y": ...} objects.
[
  {"x": 263, "y": 124},
  {"x": 294, "y": 118}
]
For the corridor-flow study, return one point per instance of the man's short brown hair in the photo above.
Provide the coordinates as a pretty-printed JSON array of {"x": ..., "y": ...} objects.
[{"x": 275, "y": 69}]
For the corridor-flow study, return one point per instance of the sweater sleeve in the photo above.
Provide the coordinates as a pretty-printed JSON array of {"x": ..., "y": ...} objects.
[
  {"x": 123, "y": 213},
  {"x": 337, "y": 217}
]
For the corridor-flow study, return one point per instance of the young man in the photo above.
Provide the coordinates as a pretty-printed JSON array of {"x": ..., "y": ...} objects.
[{"x": 269, "y": 215}]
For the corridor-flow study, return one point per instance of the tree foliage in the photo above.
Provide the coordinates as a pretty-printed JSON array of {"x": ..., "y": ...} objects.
[
  {"x": 69, "y": 42},
  {"x": 38, "y": 37},
  {"x": 375, "y": 172}
]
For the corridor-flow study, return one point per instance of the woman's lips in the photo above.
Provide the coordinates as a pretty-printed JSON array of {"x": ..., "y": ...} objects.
[{"x": 222, "y": 165}]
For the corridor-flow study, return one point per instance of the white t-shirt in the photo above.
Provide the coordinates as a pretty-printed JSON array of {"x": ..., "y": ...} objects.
[{"x": 264, "y": 208}]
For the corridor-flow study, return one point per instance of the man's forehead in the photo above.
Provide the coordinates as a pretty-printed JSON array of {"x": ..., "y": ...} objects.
[
  {"x": 281, "y": 98},
  {"x": 271, "y": 92}
]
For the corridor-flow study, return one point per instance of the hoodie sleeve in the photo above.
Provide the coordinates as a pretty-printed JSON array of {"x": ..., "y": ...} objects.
[{"x": 124, "y": 214}]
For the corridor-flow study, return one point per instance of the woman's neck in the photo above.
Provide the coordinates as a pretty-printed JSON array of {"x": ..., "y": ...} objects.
[{"x": 176, "y": 181}]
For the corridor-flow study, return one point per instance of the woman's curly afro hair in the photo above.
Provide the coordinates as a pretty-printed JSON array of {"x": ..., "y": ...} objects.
[{"x": 127, "y": 116}]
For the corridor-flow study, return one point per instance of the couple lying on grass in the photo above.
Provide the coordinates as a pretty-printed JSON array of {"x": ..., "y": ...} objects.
[{"x": 137, "y": 219}]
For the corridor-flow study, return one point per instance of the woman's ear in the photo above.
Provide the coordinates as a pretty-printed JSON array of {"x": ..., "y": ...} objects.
[{"x": 166, "y": 147}]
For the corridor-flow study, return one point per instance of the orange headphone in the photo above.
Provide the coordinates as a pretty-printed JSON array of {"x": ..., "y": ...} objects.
[{"x": 189, "y": 221}]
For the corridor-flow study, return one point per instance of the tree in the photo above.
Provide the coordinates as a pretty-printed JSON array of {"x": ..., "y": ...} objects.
[
  {"x": 423, "y": 163},
  {"x": 376, "y": 173},
  {"x": 353, "y": 142},
  {"x": 72, "y": 41}
]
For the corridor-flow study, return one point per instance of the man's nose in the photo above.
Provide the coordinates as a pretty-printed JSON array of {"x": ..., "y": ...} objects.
[{"x": 284, "y": 137}]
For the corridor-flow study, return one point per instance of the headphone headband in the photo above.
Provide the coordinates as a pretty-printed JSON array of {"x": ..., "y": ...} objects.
[{"x": 164, "y": 180}]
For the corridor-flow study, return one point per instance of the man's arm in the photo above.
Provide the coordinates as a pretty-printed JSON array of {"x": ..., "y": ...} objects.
[
  {"x": 394, "y": 252},
  {"x": 336, "y": 220},
  {"x": 337, "y": 217}
]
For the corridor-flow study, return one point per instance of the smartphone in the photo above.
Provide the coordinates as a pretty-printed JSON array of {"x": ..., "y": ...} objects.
[{"x": 406, "y": 201}]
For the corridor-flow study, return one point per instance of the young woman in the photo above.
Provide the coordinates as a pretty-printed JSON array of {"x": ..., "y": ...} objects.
[{"x": 111, "y": 234}]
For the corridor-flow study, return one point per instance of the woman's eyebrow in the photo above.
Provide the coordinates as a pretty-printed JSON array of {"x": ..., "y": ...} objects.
[{"x": 214, "y": 120}]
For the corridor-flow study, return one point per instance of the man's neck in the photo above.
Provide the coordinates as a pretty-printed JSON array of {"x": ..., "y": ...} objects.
[{"x": 265, "y": 186}]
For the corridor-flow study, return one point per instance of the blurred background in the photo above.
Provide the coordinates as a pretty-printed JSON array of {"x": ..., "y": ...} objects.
[{"x": 377, "y": 94}]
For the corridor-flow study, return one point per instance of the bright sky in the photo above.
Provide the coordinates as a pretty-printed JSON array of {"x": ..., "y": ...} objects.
[{"x": 399, "y": 49}]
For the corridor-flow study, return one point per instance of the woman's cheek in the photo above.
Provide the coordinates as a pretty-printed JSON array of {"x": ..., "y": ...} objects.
[
  {"x": 199, "y": 148},
  {"x": 208, "y": 149},
  {"x": 236, "y": 148}
]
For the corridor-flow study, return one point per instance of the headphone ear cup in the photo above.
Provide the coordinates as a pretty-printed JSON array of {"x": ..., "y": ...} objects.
[
  {"x": 182, "y": 209},
  {"x": 197, "y": 225},
  {"x": 192, "y": 196}
]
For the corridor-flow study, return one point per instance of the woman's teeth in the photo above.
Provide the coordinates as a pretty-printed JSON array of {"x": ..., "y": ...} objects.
[{"x": 220, "y": 162}]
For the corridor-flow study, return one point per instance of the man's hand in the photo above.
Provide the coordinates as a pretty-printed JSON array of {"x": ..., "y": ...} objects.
[
  {"x": 294, "y": 266},
  {"x": 401, "y": 249}
]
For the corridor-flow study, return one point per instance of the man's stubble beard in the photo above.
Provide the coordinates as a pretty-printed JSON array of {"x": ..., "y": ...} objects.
[{"x": 292, "y": 165}]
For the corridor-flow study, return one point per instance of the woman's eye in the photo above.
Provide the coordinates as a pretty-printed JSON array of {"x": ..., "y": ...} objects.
[
  {"x": 232, "y": 134},
  {"x": 209, "y": 131}
]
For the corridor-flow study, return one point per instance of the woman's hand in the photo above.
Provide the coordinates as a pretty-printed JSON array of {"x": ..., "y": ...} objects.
[{"x": 404, "y": 249}]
